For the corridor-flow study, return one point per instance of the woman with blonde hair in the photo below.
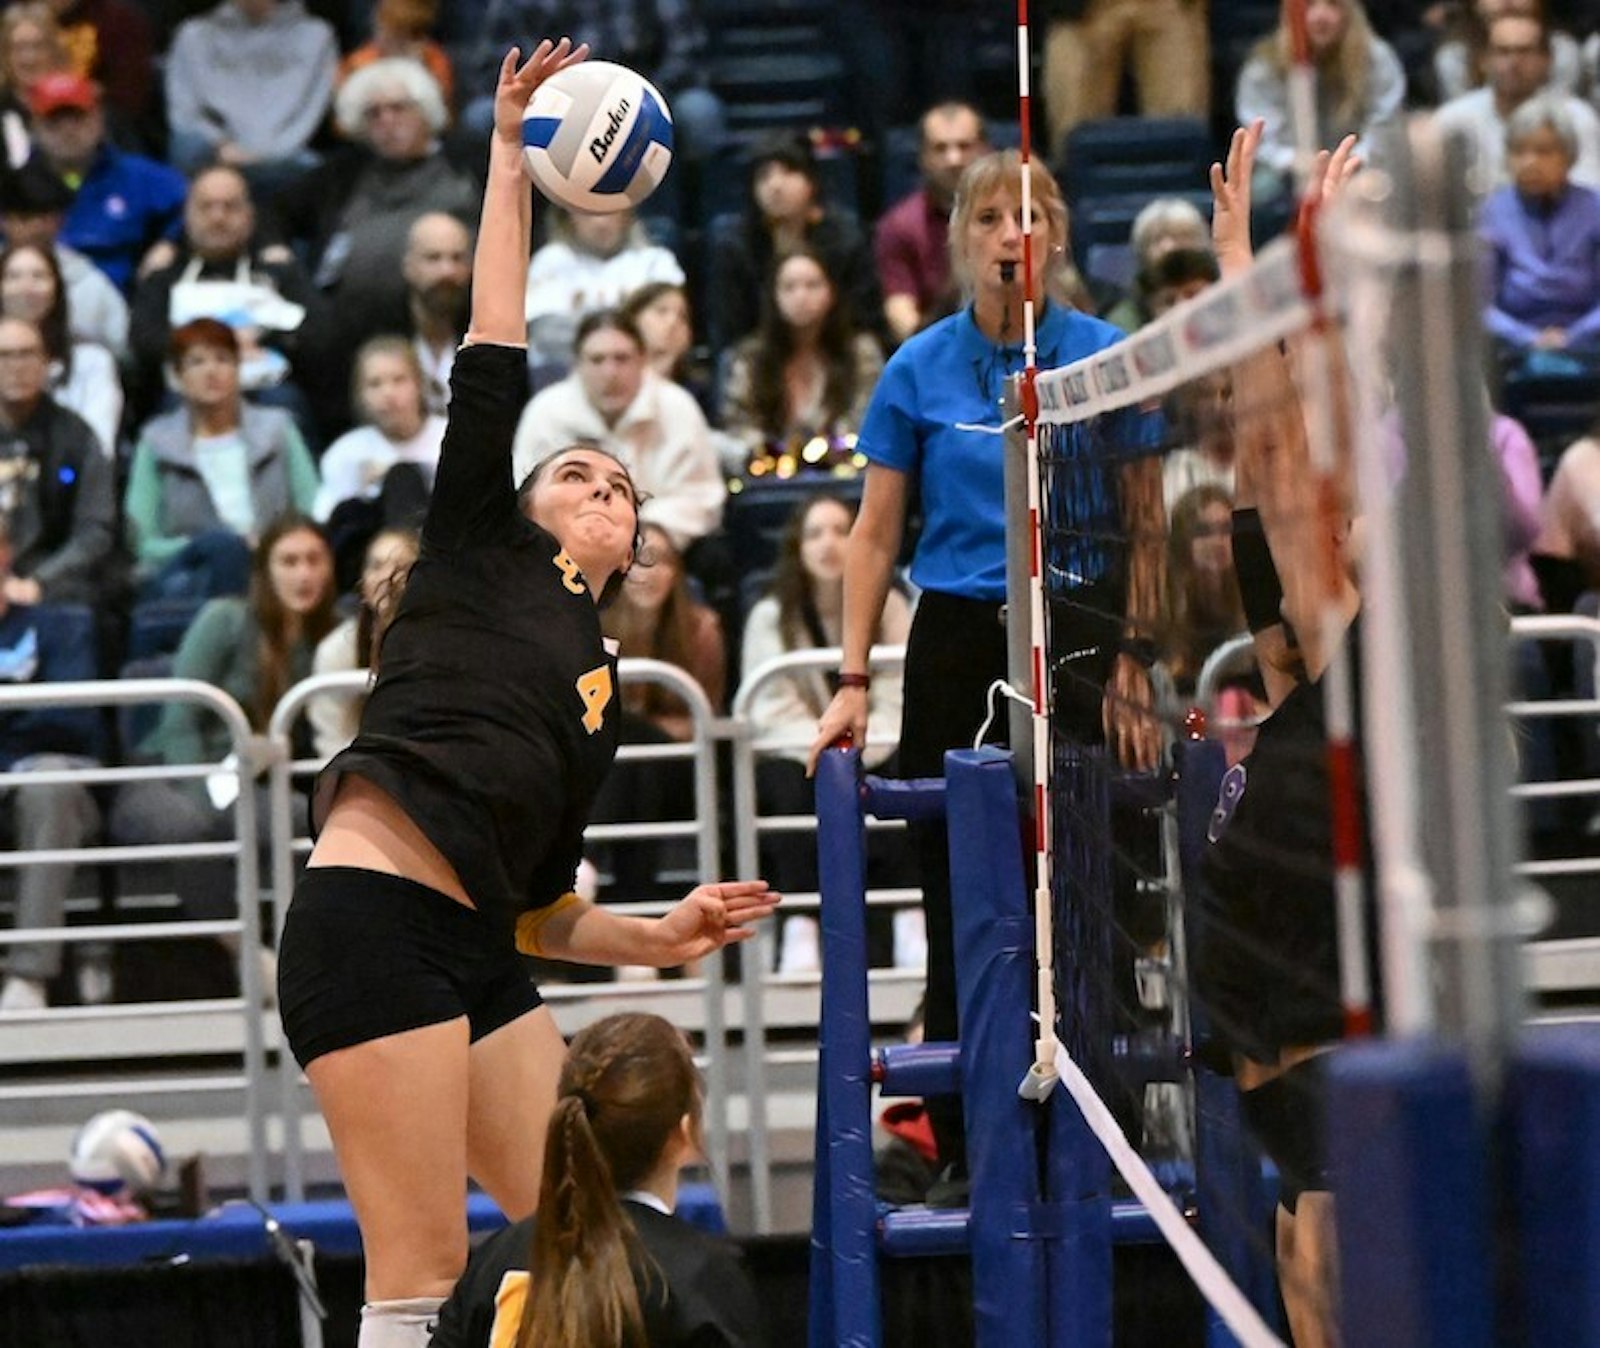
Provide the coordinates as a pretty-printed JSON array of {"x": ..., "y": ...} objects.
[
  {"x": 605, "y": 1261},
  {"x": 1360, "y": 86}
]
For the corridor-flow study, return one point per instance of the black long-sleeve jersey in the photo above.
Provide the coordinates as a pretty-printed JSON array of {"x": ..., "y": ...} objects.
[
  {"x": 493, "y": 718},
  {"x": 695, "y": 1293}
]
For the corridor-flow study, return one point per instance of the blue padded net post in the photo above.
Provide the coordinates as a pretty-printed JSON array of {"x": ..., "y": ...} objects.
[
  {"x": 845, "y": 1301},
  {"x": 1553, "y": 1114},
  {"x": 1408, "y": 1146},
  {"x": 994, "y": 974}
]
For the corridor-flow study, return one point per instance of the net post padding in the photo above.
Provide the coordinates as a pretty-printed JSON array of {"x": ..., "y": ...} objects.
[
  {"x": 994, "y": 971},
  {"x": 845, "y": 1303},
  {"x": 1415, "y": 1242},
  {"x": 1553, "y": 1086}
]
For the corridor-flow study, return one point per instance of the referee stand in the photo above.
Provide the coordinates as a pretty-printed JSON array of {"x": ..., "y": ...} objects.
[{"x": 1040, "y": 1225}]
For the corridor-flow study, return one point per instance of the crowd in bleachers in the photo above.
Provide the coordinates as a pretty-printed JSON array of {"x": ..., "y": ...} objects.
[{"x": 237, "y": 255}]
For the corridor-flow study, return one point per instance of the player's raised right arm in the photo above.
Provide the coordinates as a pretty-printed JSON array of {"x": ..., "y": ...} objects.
[{"x": 500, "y": 263}]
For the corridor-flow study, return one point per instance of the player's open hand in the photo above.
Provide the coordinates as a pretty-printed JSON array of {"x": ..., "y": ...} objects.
[
  {"x": 1230, "y": 199},
  {"x": 518, "y": 81},
  {"x": 710, "y": 917}
]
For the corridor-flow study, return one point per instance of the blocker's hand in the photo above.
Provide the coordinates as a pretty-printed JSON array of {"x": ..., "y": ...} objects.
[
  {"x": 710, "y": 917},
  {"x": 517, "y": 83}
]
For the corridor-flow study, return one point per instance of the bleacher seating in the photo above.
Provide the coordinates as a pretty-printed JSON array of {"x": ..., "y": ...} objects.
[
  {"x": 1555, "y": 410},
  {"x": 1107, "y": 222},
  {"x": 756, "y": 517},
  {"x": 1136, "y": 156},
  {"x": 156, "y": 627}
]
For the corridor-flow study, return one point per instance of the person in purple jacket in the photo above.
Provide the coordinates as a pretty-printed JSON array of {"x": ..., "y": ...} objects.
[{"x": 1542, "y": 237}]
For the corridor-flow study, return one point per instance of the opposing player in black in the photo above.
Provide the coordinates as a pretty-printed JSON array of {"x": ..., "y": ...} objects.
[
  {"x": 454, "y": 820},
  {"x": 1267, "y": 967}
]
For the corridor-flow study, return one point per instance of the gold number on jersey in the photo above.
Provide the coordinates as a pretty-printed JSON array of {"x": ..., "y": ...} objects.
[
  {"x": 595, "y": 690},
  {"x": 571, "y": 577}
]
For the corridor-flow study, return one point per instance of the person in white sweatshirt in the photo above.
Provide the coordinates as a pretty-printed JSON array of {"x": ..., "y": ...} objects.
[
  {"x": 591, "y": 262},
  {"x": 614, "y": 401},
  {"x": 248, "y": 84},
  {"x": 387, "y": 390}
]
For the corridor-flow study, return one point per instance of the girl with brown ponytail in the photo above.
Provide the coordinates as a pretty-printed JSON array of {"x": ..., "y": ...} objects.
[{"x": 604, "y": 1262}]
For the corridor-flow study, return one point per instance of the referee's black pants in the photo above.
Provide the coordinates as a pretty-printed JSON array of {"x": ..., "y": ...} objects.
[{"x": 956, "y": 649}]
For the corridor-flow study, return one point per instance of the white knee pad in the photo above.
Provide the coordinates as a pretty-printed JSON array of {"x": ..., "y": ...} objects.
[{"x": 399, "y": 1324}]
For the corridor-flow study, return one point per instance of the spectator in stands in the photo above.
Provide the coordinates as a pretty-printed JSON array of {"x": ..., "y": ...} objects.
[
  {"x": 1089, "y": 44},
  {"x": 254, "y": 648},
  {"x": 1516, "y": 66},
  {"x": 403, "y": 28},
  {"x": 437, "y": 270},
  {"x": 1201, "y": 415},
  {"x": 931, "y": 429},
  {"x": 209, "y": 476},
  {"x": 664, "y": 40},
  {"x": 37, "y": 646},
  {"x": 1163, "y": 225},
  {"x": 1542, "y": 236},
  {"x": 30, "y": 48},
  {"x": 221, "y": 269},
  {"x": 1360, "y": 86},
  {"x": 1202, "y": 608},
  {"x": 1176, "y": 275},
  {"x": 798, "y": 387},
  {"x": 911, "y": 242},
  {"x": 609, "y": 1262},
  {"x": 122, "y": 203},
  {"x": 248, "y": 85},
  {"x": 591, "y": 262},
  {"x": 660, "y": 310},
  {"x": 784, "y": 210},
  {"x": 1459, "y": 60},
  {"x": 653, "y": 427},
  {"x": 1522, "y": 509},
  {"x": 57, "y": 485},
  {"x": 111, "y": 43},
  {"x": 803, "y": 610},
  {"x": 353, "y": 214},
  {"x": 33, "y": 206},
  {"x": 335, "y": 718},
  {"x": 655, "y": 616},
  {"x": 381, "y": 473},
  {"x": 83, "y": 376},
  {"x": 1569, "y": 534}
]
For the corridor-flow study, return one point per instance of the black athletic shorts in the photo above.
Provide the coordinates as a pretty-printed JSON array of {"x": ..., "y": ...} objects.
[
  {"x": 1288, "y": 1117},
  {"x": 366, "y": 955}
]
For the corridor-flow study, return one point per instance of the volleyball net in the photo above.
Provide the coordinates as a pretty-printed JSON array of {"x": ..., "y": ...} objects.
[{"x": 1357, "y": 882}]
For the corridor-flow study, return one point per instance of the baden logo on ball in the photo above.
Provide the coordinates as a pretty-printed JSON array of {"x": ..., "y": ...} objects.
[{"x": 597, "y": 137}]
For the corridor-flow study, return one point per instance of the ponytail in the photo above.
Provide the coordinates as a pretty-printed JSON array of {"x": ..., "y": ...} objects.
[
  {"x": 581, "y": 1290},
  {"x": 627, "y": 1086}
]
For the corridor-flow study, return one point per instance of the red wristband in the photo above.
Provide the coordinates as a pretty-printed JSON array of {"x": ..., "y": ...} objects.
[{"x": 861, "y": 681}]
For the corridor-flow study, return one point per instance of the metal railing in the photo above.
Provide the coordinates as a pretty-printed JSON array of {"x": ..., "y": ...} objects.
[
  {"x": 702, "y": 825},
  {"x": 249, "y": 754},
  {"x": 749, "y": 825}
]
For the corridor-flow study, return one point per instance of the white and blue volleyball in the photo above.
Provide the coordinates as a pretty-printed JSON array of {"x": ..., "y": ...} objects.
[
  {"x": 117, "y": 1152},
  {"x": 597, "y": 137}
]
